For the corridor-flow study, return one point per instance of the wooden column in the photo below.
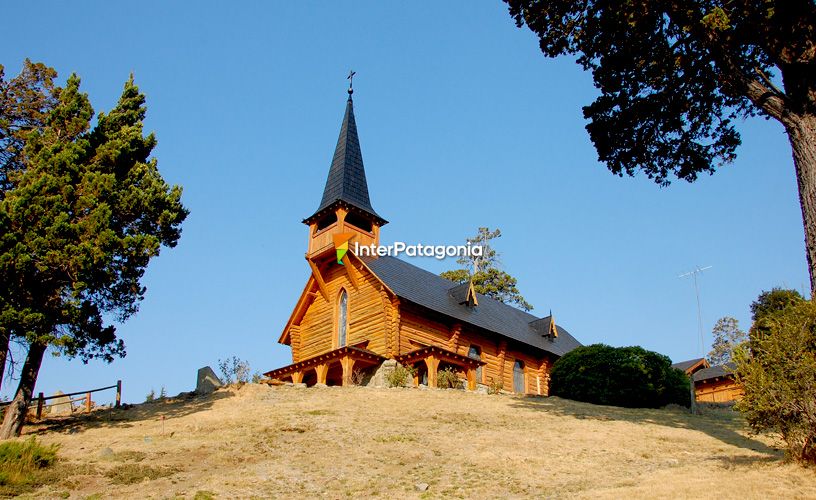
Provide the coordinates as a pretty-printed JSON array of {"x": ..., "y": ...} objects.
[
  {"x": 118, "y": 393},
  {"x": 542, "y": 378},
  {"x": 88, "y": 402},
  {"x": 502, "y": 353},
  {"x": 453, "y": 342},
  {"x": 471, "y": 379},
  {"x": 348, "y": 366},
  {"x": 297, "y": 377},
  {"x": 432, "y": 363},
  {"x": 321, "y": 371}
]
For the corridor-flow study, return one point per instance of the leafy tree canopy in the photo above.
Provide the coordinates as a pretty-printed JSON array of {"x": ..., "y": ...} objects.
[
  {"x": 727, "y": 336},
  {"x": 483, "y": 270},
  {"x": 676, "y": 76}
]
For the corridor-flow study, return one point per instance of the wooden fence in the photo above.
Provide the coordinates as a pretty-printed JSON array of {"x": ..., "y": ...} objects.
[{"x": 41, "y": 399}]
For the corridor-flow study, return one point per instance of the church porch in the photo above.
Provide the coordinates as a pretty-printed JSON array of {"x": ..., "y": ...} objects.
[
  {"x": 335, "y": 367},
  {"x": 429, "y": 359}
]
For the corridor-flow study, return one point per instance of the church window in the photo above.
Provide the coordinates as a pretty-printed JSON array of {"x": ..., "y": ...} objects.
[{"x": 342, "y": 319}]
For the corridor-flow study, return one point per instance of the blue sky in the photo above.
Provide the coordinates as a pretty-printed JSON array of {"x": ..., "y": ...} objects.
[{"x": 463, "y": 123}]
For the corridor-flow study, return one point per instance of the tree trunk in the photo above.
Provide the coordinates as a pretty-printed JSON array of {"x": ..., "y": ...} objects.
[
  {"x": 4, "y": 347},
  {"x": 802, "y": 136},
  {"x": 16, "y": 411}
]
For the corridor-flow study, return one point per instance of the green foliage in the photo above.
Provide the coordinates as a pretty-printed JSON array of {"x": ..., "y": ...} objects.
[
  {"x": 447, "y": 378},
  {"x": 234, "y": 369},
  {"x": 21, "y": 462},
  {"x": 495, "y": 387},
  {"x": 676, "y": 77},
  {"x": 620, "y": 376},
  {"x": 777, "y": 370},
  {"x": 773, "y": 301},
  {"x": 83, "y": 209},
  {"x": 162, "y": 393},
  {"x": 401, "y": 376},
  {"x": 727, "y": 336},
  {"x": 484, "y": 271},
  {"x": 151, "y": 396}
]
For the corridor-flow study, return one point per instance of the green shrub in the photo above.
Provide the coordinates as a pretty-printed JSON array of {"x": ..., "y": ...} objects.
[
  {"x": 621, "y": 376},
  {"x": 777, "y": 370},
  {"x": 22, "y": 461},
  {"x": 400, "y": 376},
  {"x": 495, "y": 387},
  {"x": 448, "y": 379}
]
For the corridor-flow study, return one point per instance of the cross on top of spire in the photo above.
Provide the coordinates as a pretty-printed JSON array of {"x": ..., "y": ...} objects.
[{"x": 351, "y": 82}]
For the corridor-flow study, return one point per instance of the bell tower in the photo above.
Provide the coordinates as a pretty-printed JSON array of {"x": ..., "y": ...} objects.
[{"x": 345, "y": 207}]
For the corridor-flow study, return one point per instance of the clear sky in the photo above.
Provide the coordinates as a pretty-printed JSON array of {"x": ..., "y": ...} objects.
[{"x": 463, "y": 123}]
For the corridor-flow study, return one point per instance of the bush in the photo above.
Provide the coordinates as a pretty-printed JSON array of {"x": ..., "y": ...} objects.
[
  {"x": 21, "y": 461},
  {"x": 400, "y": 376},
  {"x": 777, "y": 370},
  {"x": 448, "y": 379},
  {"x": 495, "y": 387},
  {"x": 621, "y": 376},
  {"x": 234, "y": 369}
]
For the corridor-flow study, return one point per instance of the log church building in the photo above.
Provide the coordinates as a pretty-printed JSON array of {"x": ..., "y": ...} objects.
[{"x": 353, "y": 316}]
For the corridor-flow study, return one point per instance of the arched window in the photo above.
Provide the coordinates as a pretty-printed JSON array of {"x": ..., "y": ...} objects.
[
  {"x": 476, "y": 353},
  {"x": 342, "y": 319},
  {"x": 518, "y": 377}
]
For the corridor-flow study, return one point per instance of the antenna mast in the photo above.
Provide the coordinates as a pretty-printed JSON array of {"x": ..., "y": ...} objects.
[{"x": 697, "y": 270}]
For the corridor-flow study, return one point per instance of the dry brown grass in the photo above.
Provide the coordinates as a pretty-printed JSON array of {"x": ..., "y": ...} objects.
[{"x": 265, "y": 442}]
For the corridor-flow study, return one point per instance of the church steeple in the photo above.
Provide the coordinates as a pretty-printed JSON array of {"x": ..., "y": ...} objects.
[{"x": 346, "y": 205}]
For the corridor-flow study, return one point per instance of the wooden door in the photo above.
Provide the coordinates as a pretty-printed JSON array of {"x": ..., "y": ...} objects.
[{"x": 518, "y": 377}]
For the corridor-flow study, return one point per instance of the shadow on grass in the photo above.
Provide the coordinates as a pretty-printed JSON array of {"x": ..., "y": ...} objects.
[
  {"x": 724, "y": 425},
  {"x": 179, "y": 406}
]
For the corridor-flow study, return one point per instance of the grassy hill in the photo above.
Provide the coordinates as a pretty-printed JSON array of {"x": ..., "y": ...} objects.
[{"x": 263, "y": 442}]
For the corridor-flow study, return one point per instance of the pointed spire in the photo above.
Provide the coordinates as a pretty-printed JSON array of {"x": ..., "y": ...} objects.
[{"x": 347, "y": 180}]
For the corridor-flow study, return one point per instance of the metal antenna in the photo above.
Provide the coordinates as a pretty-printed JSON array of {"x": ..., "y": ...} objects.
[{"x": 697, "y": 270}]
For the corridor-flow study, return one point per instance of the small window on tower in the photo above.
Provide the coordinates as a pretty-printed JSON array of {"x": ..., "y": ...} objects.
[
  {"x": 326, "y": 221},
  {"x": 359, "y": 222}
]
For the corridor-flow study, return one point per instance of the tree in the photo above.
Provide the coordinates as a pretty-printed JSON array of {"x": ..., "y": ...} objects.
[
  {"x": 621, "y": 376},
  {"x": 727, "y": 336},
  {"x": 777, "y": 371},
  {"x": 83, "y": 212},
  {"x": 676, "y": 75},
  {"x": 483, "y": 270},
  {"x": 25, "y": 102}
]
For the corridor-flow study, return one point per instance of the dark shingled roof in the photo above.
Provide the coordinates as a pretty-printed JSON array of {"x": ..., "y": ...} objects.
[
  {"x": 725, "y": 370},
  {"x": 426, "y": 289},
  {"x": 685, "y": 365},
  {"x": 347, "y": 180}
]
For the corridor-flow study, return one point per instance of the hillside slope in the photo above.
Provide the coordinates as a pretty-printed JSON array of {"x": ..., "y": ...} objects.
[{"x": 336, "y": 442}]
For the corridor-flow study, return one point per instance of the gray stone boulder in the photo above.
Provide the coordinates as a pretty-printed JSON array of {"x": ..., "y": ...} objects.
[
  {"x": 60, "y": 405},
  {"x": 207, "y": 381},
  {"x": 380, "y": 376}
]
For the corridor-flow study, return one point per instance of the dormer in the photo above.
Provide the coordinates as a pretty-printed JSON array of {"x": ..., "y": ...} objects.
[{"x": 545, "y": 327}]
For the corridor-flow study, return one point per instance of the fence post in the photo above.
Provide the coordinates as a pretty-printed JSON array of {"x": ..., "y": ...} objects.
[
  {"x": 88, "y": 402},
  {"x": 40, "y": 401},
  {"x": 118, "y": 393}
]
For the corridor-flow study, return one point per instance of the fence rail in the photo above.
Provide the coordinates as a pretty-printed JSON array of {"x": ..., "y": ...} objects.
[{"x": 41, "y": 399}]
